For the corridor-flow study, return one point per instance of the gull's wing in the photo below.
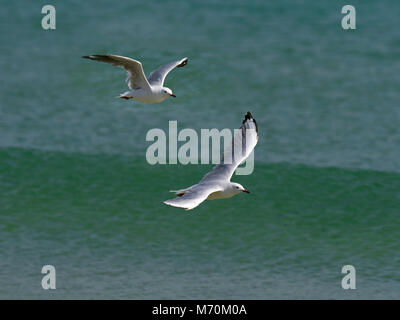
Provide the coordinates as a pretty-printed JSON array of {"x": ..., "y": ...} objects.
[
  {"x": 157, "y": 77},
  {"x": 136, "y": 78},
  {"x": 197, "y": 195},
  {"x": 242, "y": 145}
]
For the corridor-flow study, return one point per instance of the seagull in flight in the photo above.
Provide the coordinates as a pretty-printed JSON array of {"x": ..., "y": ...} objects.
[
  {"x": 216, "y": 184},
  {"x": 142, "y": 89}
]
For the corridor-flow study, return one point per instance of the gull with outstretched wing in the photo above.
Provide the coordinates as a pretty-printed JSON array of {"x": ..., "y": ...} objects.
[
  {"x": 142, "y": 89},
  {"x": 217, "y": 183}
]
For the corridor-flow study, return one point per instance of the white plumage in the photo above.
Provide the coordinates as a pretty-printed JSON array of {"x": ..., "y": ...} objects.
[
  {"x": 216, "y": 184},
  {"x": 144, "y": 90}
]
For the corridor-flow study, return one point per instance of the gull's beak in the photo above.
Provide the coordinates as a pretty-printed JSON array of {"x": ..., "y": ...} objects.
[
  {"x": 245, "y": 190},
  {"x": 172, "y": 95}
]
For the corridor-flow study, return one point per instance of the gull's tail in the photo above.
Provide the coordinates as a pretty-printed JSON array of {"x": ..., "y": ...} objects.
[
  {"x": 126, "y": 95},
  {"x": 180, "y": 192}
]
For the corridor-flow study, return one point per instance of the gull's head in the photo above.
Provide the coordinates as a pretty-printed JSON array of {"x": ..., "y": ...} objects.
[
  {"x": 168, "y": 92},
  {"x": 238, "y": 188}
]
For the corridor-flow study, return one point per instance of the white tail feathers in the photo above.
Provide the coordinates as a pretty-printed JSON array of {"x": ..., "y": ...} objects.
[{"x": 179, "y": 191}]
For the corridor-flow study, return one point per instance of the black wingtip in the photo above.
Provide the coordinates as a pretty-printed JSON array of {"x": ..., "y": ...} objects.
[
  {"x": 183, "y": 63},
  {"x": 249, "y": 116},
  {"x": 94, "y": 56}
]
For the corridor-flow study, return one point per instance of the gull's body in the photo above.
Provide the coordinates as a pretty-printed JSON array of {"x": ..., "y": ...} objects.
[
  {"x": 216, "y": 184},
  {"x": 142, "y": 89}
]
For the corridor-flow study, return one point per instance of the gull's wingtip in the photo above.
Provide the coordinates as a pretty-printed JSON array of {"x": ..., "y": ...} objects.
[
  {"x": 168, "y": 203},
  {"x": 183, "y": 63},
  {"x": 96, "y": 56},
  {"x": 249, "y": 116}
]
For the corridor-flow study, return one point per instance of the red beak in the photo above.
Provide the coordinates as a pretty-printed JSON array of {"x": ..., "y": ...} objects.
[
  {"x": 245, "y": 190},
  {"x": 172, "y": 95}
]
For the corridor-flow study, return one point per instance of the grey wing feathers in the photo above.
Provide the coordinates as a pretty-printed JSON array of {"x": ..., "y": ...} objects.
[
  {"x": 136, "y": 78},
  {"x": 157, "y": 77},
  {"x": 243, "y": 144}
]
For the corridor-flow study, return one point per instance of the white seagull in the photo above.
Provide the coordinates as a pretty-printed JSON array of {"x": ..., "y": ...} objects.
[
  {"x": 216, "y": 184},
  {"x": 144, "y": 90}
]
